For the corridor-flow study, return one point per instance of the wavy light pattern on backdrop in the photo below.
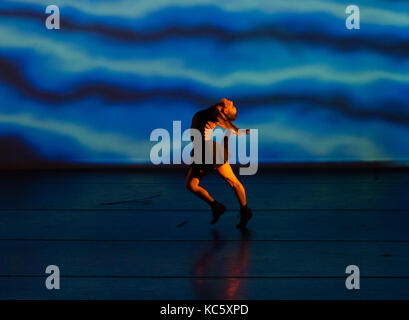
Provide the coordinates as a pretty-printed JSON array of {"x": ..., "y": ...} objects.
[{"x": 93, "y": 91}]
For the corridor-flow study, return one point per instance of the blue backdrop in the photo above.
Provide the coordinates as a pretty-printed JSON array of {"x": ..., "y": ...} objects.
[{"x": 93, "y": 91}]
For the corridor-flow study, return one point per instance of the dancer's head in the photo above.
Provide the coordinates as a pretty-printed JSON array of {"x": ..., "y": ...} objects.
[{"x": 227, "y": 108}]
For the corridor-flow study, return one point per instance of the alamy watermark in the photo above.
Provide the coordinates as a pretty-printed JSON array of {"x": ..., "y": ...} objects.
[
  {"x": 53, "y": 20},
  {"x": 206, "y": 150},
  {"x": 53, "y": 280},
  {"x": 352, "y": 21}
]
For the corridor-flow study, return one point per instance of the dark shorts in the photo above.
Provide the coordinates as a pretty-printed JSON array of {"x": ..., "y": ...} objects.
[{"x": 219, "y": 156}]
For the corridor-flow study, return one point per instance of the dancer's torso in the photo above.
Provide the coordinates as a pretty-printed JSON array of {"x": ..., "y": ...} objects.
[{"x": 203, "y": 119}]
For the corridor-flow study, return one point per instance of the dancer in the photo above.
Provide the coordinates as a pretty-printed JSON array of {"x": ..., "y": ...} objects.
[{"x": 221, "y": 114}]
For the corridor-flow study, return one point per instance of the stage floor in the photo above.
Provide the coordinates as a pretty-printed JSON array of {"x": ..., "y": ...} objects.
[{"x": 142, "y": 235}]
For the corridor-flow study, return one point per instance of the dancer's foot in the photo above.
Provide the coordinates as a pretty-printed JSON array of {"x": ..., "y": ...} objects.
[
  {"x": 218, "y": 209},
  {"x": 245, "y": 216}
]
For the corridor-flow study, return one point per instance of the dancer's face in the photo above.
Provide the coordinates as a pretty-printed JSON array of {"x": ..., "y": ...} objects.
[{"x": 230, "y": 111}]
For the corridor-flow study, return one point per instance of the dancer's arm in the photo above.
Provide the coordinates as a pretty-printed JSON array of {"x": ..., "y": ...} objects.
[{"x": 226, "y": 124}]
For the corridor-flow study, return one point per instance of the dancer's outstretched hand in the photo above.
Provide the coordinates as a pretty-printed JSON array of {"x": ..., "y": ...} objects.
[{"x": 240, "y": 133}]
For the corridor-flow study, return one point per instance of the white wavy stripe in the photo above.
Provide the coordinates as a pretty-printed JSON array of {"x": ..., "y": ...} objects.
[
  {"x": 91, "y": 139},
  {"x": 73, "y": 59},
  {"x": 356, "y": 147},
  {"x": 140, "y": 8}
]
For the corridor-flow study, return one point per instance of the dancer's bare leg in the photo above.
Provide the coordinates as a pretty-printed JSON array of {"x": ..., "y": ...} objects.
[
  {"x": 192, "y": 184},
  {"x": 226, "y": 172}
]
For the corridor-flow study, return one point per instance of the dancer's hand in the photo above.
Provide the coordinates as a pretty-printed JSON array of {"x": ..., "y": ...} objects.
[
  {"x": 208, "y": 130},
  {"x": 210, "y": 125},
  {"x": 241, "y": 132}
]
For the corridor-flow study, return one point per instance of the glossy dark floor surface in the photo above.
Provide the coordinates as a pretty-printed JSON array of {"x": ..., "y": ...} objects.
[{"x": 141, "y": 235}]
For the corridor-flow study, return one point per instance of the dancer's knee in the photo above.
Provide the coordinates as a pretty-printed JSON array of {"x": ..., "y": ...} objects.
[{"x": 192, "y": 185}]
